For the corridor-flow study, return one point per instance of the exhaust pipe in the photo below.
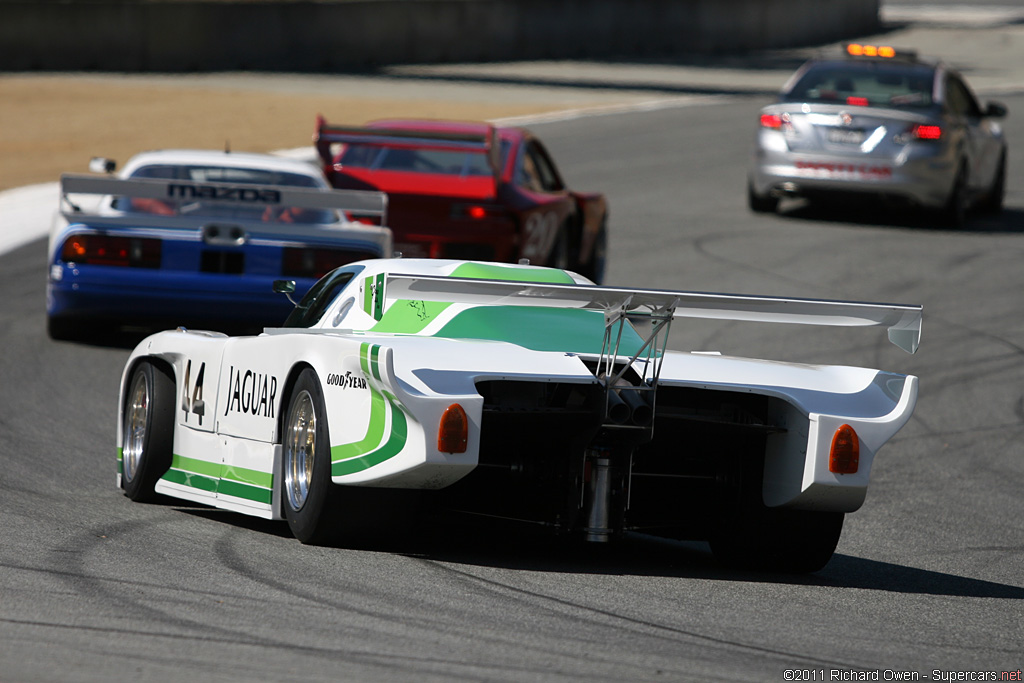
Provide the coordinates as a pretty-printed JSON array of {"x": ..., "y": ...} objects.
[
  {"x": 618, "y": 412},
  {"x": 640, "y": 411}
]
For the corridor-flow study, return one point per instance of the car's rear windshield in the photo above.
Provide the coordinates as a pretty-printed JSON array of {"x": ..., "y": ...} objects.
[
  {"x": 445, "y": 162},
  {"x": 219, "y": 174},
  {"x": 873, "y": 84}
]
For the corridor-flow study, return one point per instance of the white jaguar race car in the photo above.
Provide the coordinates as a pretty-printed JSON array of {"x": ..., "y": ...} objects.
[{"x": 521, "y": 392}]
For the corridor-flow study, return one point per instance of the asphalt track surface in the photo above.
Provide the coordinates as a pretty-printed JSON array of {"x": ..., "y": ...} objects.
[{"x": 927, "y": 579}]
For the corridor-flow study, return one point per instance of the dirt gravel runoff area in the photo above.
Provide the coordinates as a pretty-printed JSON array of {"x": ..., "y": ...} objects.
[{"x": 51, "y": 124}]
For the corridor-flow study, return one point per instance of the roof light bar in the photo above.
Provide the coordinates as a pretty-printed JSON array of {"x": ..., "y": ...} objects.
[{"x": 883, "y": 51}]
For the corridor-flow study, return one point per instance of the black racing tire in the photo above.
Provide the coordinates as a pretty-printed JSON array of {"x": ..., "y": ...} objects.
[
  {"x": 954, "y": 214},
  {"x": 148, "y": 430},
  {"x": 595, "y": 267},
  {"x": 559, "y": 256},
  {"x": 62, "y": 329},
  {"x": 760, "y": 203},
  {"x": 309, "y": 499},
  {"x": 768, "y": 539},
  {"x": 993, "y": 202}
]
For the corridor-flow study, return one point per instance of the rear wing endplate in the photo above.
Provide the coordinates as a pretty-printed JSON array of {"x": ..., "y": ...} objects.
[{"x": 903, "y": 322}]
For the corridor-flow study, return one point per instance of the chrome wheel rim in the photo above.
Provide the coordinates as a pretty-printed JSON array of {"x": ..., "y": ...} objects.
[
  {"x": 135, "y": 426},
  {"x": 300, "y": 450}
]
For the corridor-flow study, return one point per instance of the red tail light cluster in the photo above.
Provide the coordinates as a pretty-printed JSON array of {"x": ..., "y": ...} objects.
[
  {"x": 844, "y": 457},
  {"x": 771, "y": 121},
  {"x": 315, "y": 262},
  {"x": 479, "y": 212},
  {"x": 927, "y": 132},
  {"x": 107, "y": 250}
]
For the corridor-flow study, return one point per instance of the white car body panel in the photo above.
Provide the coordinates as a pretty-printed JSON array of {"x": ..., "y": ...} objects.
[{"x": 385, "y": 389}]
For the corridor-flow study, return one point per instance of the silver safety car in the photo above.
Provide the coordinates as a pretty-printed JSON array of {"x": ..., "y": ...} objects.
[{"x": 882, "y": 123}]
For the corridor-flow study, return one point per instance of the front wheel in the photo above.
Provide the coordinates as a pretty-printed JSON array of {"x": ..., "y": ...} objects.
[{"x": 148, "y": 430}]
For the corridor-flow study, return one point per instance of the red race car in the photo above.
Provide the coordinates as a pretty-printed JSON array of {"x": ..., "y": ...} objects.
[{"x": 466, "y": 190}]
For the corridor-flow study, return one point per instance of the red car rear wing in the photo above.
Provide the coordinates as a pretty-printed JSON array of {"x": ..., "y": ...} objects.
[{"x": 328, "y": 135}]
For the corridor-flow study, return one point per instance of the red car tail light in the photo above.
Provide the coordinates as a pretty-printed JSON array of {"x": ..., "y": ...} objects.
[
  {"x": 315, "y": 262},
  {"x": 479, "y": 212},
  {"x": 844, "y": 457},
  {"x": 857, "y": 101},
  {"x": 107, "y": 250},
  {"x": 771, "y": 121},
  {"x": 453, "y": 430},
  {"x": 927, "y": 132}
]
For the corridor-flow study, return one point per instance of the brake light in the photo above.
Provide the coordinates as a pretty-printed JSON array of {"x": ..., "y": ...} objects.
[
  {"x": 479, "y": 212},
  {"x": 107, "y": 250},
  {"x": 773, "y": 121},
  {"x": 313, "y": 262},
  {"x": 453, "y": 430},
  {"x": 857, "y": 101},
  {"x": 844, "y": 457},
  {"x": 927, "y": 132}
]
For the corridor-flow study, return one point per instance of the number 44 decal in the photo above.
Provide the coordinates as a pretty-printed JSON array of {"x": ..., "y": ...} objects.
[{"x": 192, "y": 396}]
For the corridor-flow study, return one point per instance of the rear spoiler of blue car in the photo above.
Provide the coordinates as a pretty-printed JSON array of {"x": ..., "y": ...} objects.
[
  {"x": 903, "y": 322},
  {"x": 227, "y": 194}
]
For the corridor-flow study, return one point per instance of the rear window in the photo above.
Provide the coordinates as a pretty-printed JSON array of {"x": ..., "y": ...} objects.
[
  {"x": 416, "y": 160},
  {"x": 866, "y": 84}
]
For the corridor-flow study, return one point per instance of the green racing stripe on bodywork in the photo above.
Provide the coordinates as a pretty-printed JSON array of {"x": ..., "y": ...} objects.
[
  {"x": 395, "y": 443},
  {"x": 212, "y": 477},
  {"x": 369, "y": 451},
  {"x": 409, "y": 317},
  {"x": 368, "y": 295},
  {"x": 493, "y": 271},
  {"x": 538, "y": 328}
]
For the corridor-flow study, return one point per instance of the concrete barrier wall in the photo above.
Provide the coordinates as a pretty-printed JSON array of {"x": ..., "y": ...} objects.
[{"x": 182, "y": 35}]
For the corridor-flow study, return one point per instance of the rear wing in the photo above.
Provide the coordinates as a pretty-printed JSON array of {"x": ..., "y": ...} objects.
[
  {"x": 903, "y": 322},
  {"x": 328, "y": 135},
  {"x": 228, "y": 194},
  {"x": 239, "y": 210}
]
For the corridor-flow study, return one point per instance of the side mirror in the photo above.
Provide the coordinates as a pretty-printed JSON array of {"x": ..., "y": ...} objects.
[
  {"x": 996, "y": 110},
  {"x": 286, "y": 287},
  {"x": 102, "y": 165}
]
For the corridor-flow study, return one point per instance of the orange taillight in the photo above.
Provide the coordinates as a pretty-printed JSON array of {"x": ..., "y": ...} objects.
[
  {"x": 453, "y": 430},
  {"x": 844, "y": 458}
]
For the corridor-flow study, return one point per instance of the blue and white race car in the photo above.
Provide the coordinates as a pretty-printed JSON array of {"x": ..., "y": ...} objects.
[
  {"x": 520, "y": 392},
  {"x": 198, "y": 237}
]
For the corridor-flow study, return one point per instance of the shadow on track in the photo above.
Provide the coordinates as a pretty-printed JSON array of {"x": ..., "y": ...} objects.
[
  {"x": 1009, "y": 221},
  {"x": 474, "y": 543}
]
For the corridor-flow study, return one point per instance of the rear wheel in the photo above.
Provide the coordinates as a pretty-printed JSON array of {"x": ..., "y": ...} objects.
[
  {"x": 559, "y": 257},
  {"x": 594, "y": 270},
  {"x": 760, "y": 203},
  {"x": 148, "y": 430},
  {"x": 954, "y": 214},
  {"x": 768, "y": 539},
  {"x": 309, "y": 497},
  {"x": 61, "y": 329},
  {"x": 993, "y": 203}
]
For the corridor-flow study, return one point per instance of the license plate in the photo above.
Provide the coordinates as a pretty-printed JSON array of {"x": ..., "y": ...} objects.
[{"x": 845, "y": 136}]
